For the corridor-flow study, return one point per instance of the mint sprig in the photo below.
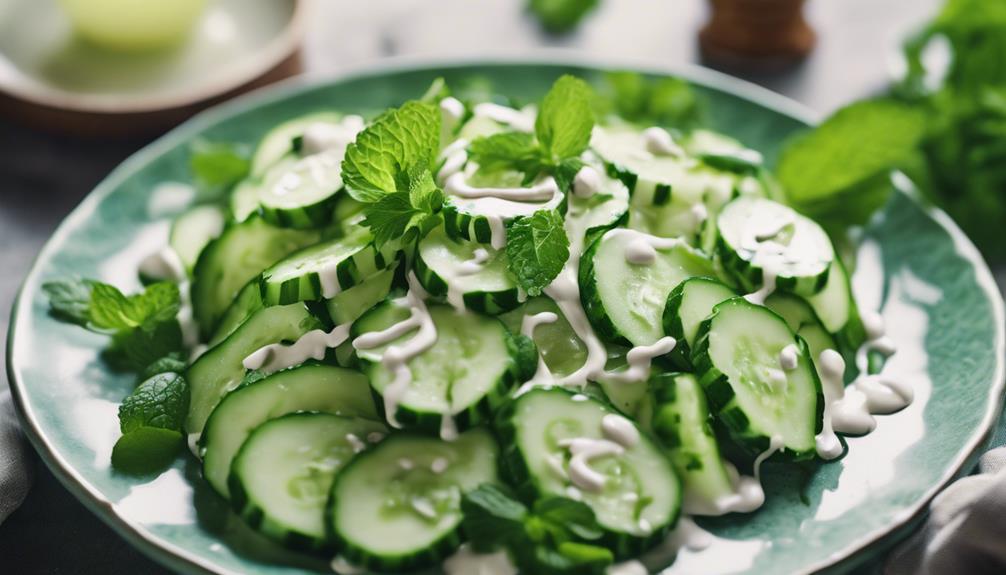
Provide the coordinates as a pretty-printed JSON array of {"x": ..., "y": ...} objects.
[
  {"x": 551, "y": 538},
  {"x": 218, "y": 165},
  {"x": 151, "y": 420},
  {"x": 537, "y": 248}
]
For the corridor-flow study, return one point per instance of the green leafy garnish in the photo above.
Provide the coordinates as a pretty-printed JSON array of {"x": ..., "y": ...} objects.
[
  {"x": 111, "y": 310},
  {"x": 537, "y": 248},
  {"x": 558, "y": 16},
  {"x": 160, "y": 401},
  {"x": 146, "y": 450},
  {"x": 171, "y": 363},
  {"x": 406, "y": 211},
  {"x": 839, "y": 171},
  {"x": 70, "y": 300},
  {"x": 549, "y": 539},
  {"x": 662, "y": 101},
  {"x": 218, "y": 165}
]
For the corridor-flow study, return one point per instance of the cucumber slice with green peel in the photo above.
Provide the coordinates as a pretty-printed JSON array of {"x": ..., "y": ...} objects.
[
  {"x": 631, "y": 398},
  {"x": 800, "y": 317},
  {"x": 607, "y": 208},
  {"x": 625, "y": 153},
  {"x": 464, "y": 376},
  {"x": 687, "y": 305},
  {"x": 397, "y": 507},
  {"x": 348, "y": 214},
  {"x": 447, "y": 268},
  {"x": 232, "y": 260},
  {"x": 244, "y": 202},
  {"x": 302, "y": 194},
  {"x": 760, "y": 404},
  {"x": 247, "y": 302},
  {"x": 309, "y": 387},
  {"x": 723, "y": 153},
  {"x": 220, "y": 370},
  {"x": 758, "y": 234},
  {"x": 325, "y": 269},
  {"x": 193, "y": 230},
  {"x": 836, "y": 308},
  {"x": 282, "y": 476},
  {"x": 349, "y": 305},
  {"x": 563, "y": 351},
  {"x": 682, "y": 423},
  {"x": 625, "y": 301},
  {"x": 632, "y": 486},
  {"x": 278, "y": 142}
]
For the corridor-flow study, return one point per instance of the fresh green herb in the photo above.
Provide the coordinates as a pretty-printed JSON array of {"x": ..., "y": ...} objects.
[
  {"x": 217, "y": 165},
  {"x": 146, "y": 450},
  {"x": 663, "y": 101},
  {"x": 406, "y": 212},
  {"x": 839, "y": 172},
  {"x": 537, "y": 248},
  {"x": 135, "y": 349},
  {"x": 160, "y": 401},
  {"x": 70, "y": 300},
  {"x": 437, "y": 91},
  {"x": 549, "y": 539},
  {"x": 171, "y": 363},
  {"x": 111, "y": 310},
  {"x": 507, "y": 151},
  {"x": 558, "y": 16}
]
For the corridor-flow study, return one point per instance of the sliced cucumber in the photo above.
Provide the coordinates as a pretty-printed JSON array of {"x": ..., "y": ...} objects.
[
  {"x": 754, "y": 399},
  {"x": 349, "y": 305},
  {"x": 639, "y": 498},
  {"x": 487, "y": 287},
  {"x": 310, "y": 387},
  {"x": 625, "y": 301},
  {"x": 325, "y": 269},
  {"x": 193, "y": 230},
  {"x": 397, "y": 507},
  {"x": 220, "y": 370},
  {"x": 837, "y": 310},
  {"x": 302, "y": 194},
  {"x": 282, "y": 476},
  {"x": 687, "y": 305},
  {"x": 248, "y": 301},
  {"x": 722, "y": 153},
  {"x": 348, "y": 214},
  {"x": 607, "y": 207},
  {"x": 244, "y": 200},
  {"x": 465, "y": 375},
  {"x": 279, "y": 141},
  {"x": 232, "y": 260},
  {"x": 756, "y": 234},
  {"x": 563, "y": 351},
  {"x": 682, "y": 422},
  {"x": 800, "y": 317}
]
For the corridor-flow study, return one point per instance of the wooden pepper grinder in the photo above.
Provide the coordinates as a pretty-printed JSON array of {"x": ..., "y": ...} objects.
[{"x": 756, "y": 34}]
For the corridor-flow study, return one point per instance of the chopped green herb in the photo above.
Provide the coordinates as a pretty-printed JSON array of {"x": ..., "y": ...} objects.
[{"x": 537, "y": 248}]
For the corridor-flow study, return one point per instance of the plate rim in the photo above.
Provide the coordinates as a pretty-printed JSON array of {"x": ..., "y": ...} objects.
[{"x": 175, "y": 557}]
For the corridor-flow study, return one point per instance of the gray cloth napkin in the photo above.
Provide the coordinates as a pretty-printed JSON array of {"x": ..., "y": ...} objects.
[
  {"x": 16, "y": 465},
  {"x": 966, "y": 528}
]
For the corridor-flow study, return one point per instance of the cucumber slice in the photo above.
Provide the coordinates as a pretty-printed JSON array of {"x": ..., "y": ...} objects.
[
  {"x": 278, "y": 142},
  {"x": 302, "y": 194},
  {"x": 232, "y": 260},
  {"x": 244, "y": 202},
  {"x": 563, "y": 351},
  {"x": 248, "y": 301},
  {"x": 397, "y": 507},
  {"x": 639, "y": 495},
  {"x": 625, "y": 152},
  {"x": 757, "y": 234},
  {"x": 754, "y": 399},
  {"x": 325, "y": 269},
  {"x": 682, "y": 423},
  {"x": 193, "y": 230},
  {"x": 310, "y": 387},
  {"x": 606, "y": 208},
  {"x": 348, "y": 214},
  {"x": 625, "y": 301},
  {"x": 723, "y": 153},
  {"x": 349, "y": 305},
  {"x": 283, "y": 474},
  {"x": 488, "y": 287},
  {"x": 800, "y": 317},
  {"x": 220, "y": 370},
  {"x": 687, "y": 305},
  {"x": 464, "y": 376},
  {"x": 836, "y": 308}
]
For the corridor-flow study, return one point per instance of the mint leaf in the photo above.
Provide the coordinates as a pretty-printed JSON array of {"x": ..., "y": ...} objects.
[
  {"x": 134, "y": 349},
  {"x": 507, "y": 151},
  {"x": 437, "y": 91},
  {"x": 397, "y": 141},
  {"x": 492, "y": 518},
  {"x": 662, "y": 101},
  {"x": 161, "y": 401},
  {"x": 111, "y": 310},
  {"x": 146, "y": 450},
  {"x": 171, "y": 363},
  {"x": 558, "y": 16},
  {"x": 403, "y": 213},
  {"x": 218, "y": 164},
  {"x": 565, "y": 119},
  {"x": 70, "y": 300},
  {"x": 841, "y": 167},
  {"x": 575, "y": 516},
  {"x": 537, "y": 248}
]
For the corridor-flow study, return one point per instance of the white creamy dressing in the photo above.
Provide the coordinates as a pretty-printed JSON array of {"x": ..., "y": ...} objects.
[
  {"x": 342, "y": 566},
  {"x": 618, "y": 434},
  {"x": 451, "y": 275},
  {"x": 321, "y": 137},
  {"x": 520, "y": 120},
  {"x": 455, "y": 155},
  {"x": 686, "y": 535},
  {"x": 475, "y": 264},
  {"x": 396, "y": 357},
  {"x": 700, "y": 213},
  {"x": 831, "y": 369},
  {"x": 541, "y": 191},
  {"x": 312, "y": 345},
  {"x": 355, "y": 442},
  {"x": 587, "y": 182},
  {"x": 439, "y": 465},
  {"x": 757, "y": 240},
  {"x": 464, "y": 561},
  {"x": 165, "y": 265},
  {"x": 451, "y": 112},
  {"x": 640, "y": 359},
  {"x": 789, "y": 357},
  {"x": 659, "y": 142}
]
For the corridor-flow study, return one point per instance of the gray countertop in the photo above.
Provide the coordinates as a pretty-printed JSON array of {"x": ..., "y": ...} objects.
[{"x": 44, "y": 175}]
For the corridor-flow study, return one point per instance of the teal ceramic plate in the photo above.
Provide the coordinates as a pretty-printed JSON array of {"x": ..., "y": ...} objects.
[{"x": 937, "y": 295}]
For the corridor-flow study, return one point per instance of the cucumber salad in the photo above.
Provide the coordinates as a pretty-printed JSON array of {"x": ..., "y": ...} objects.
[{"x": 491, "y": 337}]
